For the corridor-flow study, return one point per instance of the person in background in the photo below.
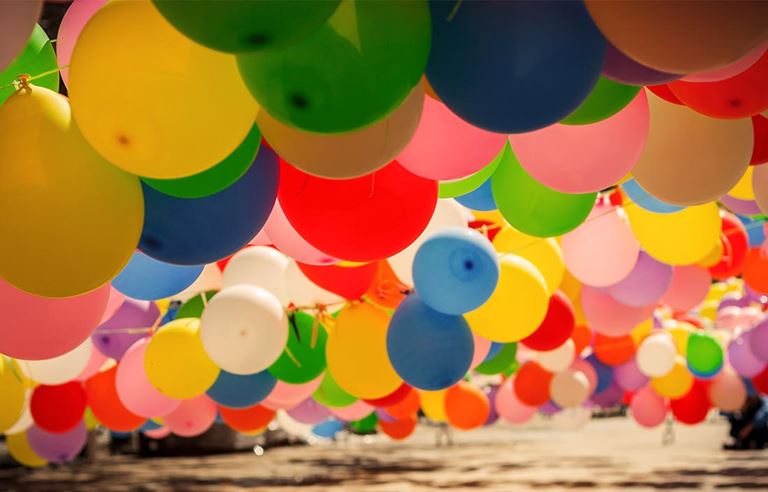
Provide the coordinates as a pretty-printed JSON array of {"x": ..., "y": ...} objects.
[{"x": 749, "y": 426}]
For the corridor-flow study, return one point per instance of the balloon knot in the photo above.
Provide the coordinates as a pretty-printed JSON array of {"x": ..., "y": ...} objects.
[{"x": 22, "y": 82}]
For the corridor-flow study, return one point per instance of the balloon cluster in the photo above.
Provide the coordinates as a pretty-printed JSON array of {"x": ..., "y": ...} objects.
[{"x": 348, "y": 211}]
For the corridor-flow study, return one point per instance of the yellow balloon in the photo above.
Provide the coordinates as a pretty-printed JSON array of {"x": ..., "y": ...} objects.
[
  {"x": 11, "y": 395},
  {"x": 676, "y": 382},
  {"x": 717, "y": 291},
  {"x": 571, "y": 287},
  {"x": 20, "y": 450},
  {"x": 357, "y": 352},
  {"x": 90, "y": 420},
  {"x": 489, "y": 215},
  {"x": 679, "y": 238},
  {"x": 708, "y": 310},
  {"x": 713, "y": 257},
  {"x": 743, "y": 189},
  {"x": 544, "y": 253},
  {"x": 70, "y": 220},
  {"x": 641, "y": 331},
  {"x": 176, "y": 363},
  {"x": 680, "y": 332},
  {"x": 517, "y": 306},
  {"x": 433, "y": 404},
  {"x": 152, "y": 101}
]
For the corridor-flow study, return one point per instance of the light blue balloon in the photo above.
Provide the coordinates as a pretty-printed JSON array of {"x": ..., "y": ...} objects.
[
  {"x": 241, "y": 391},
  {"x": 328, "y": 429},
  {"x": 455, "y": 270},
  {"x": 755, "y": 230},
  {"x": 645, "y": 200},
  {"x": 481, "y": 198},
  {"x": 428, "y": 349},
  {"x": 148, "y": 279}
]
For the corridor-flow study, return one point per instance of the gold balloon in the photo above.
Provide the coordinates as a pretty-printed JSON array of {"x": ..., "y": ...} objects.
[{"x": 20, "y": 450}]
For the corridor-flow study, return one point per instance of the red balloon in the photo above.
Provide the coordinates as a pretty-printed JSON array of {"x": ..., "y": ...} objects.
[
  {"x": 407, "y": 407},
  {"x": 532, "y": 384},
  {"x": 741, "y": 96},
  {"x": 399, "y": 429},
  {"x": 557, "y": 326},
  {"x": 662, "y": 90},
  {"x": 393, "y": 398},
  {"x": 755, "y": 270},
  {"x": 247, "y": 419},
  {"x": 486, "y": 227},
  {"x": 106, "y": 405},
  {"x": 348, "y": 282},
  {"x": 58, "y": 408},
  {"x": 361, "y": 219},
  {"x": 694, "y": 406},
  {"x": 735, "y": 246},
  {"x": 760, "y": 382},
  {"x": 614, "y": 351},
  {"x": 760, "y": 149}
]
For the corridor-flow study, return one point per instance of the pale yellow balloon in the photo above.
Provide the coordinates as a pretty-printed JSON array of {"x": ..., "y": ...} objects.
[
  {"x": 713, "y": 257},
  {"x": 743, "y": 189},
  {"x": 679, "y": 238},
  {"x": 689, "y": 158},
  {"x": 152, "y": 101},
  {"x": 12, "y": 395},
  {"x": 433, "y": 404},
  {"x": 544, "y": 253},
  {"x": 21, "y": 451},
  {"x": 675, "y": 383}
]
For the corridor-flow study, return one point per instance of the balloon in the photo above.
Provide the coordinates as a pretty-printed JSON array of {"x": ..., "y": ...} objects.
[
  {"x": 557, "y": 359},
  {"x": 741, "y": 357},
  {"x": 606, "y": 99},
  {"x": 394, "y": 398},
  {"x": 499, "y": 361},
  {"x": 556, "y": 327},
  {"x": 399, "y": 429},
  {"x": 350, "y": 282},
  {"x": 20, "y": 450},
  {"x": 407, "y": 407},
  {"x": 727, "y": 391},
  {"x": 433, "y": 405},
  {"x": 758, "y": 340},
  {"x": 509, "y": 407},
  {"x": 760, "y": 187},
  {"x": 545, "y": 254},
  {"x": 356, "y": 411},
  {"x": 533, "y": 208},
  {"x": 730, "y": 70},
  {"x": 741, "y": 96},
  {"x": 743, "y": 207},
  {"x": 693, "y": 407},
  {"x": 176, "y": 362},
  {"x": 704, "y": 354},
  {"x": 743, "y": 189},
  {"x": 517, "y": 306},
  {"x": 678, "y": 238},
  {"x": 428, "y": 349},
  {"x": 638, "y": 196},
  {"x": 551, "y": 63},
  {"x": 648, "y": 408},
  {"x": 331, "y": 395},
  {"x": 656, "y": 355},
  {"x": 303, "y": 292},
  {"x": 12, "y": 391},
  {"x": 675, "y": 383},
  {"x": 247, "y": 419},
  {"x": 455, "y": 271},
  {"x": 735, "y": 246},
  {"x": 286, "y": 395},
  {"x": 340, "y": 221},
  {"x": 104, "y": 401},
  {"x": 17, "y": 22},
  {"x": 648, "y": 280},
  {"x": 129, "y": 324},
  {"x": 621, "y": 68},
  {"x": 591, "y": 259},
  {"x": 289, "y": 242},
  {"x": 210, "y": 279},
  {"x": 466, "y": 407},
  {"x": 755, "y": 271},
  {"x": 603, "y": 372},
  {"x": 357, "y": 352},
  {"x": 532, "y": 383},
  {"x": 59, "y": 447},
  {"x": 463, "y": 186},
  {"x": 149, "y": 279},
  {"x": 203, "y": 230},
  {"x": 569, "y": 388},
  {"x": 59, "y": 369},
  {"x": 36, "y": 58},
  {"x": 57, "y": 408},
  {"x": 350, "y": 154},
  {"x": 614, "y": 351},
  {"x": 309, "y": 412},
  {"x": 755, "y": 230},
  {"x": 75, "y": 18},
  {"x": 681, "y": 37},
  {"x": 706, "y": 154},
  {"x": 160, "y": 433},
  {"x": 348, "y": 73},
  {"x": 303, "y": 358},
  {"x": 139, "y": 133},
  {"x": 244, "y": 329},
  {"x": 760, "y": 132},
  {"x": 193, "y": 417},
  {"x": 628, "y": 376},
  {"x": 23, "y": 420},
  {"x": 689, "y": 287},
  {"x": 107, "y": 203},
  {"x": 609, "y": 317},
  {"x": 480, "y": 199},
  {"x": 134, "y": 389},
  {"x": 259, "y": 266},
  {"x": 582, "y": 336},
  {"x": 760, "y": 382}
]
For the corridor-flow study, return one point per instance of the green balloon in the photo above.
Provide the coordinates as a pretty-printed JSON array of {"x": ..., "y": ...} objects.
[
  {"x": 331, "y": 395},
  {"x": 704, "y": 354},
  {"x": 238, "y": 26},
  {"x": 503, "y": 360},
  {"x": 193, "y": 308},
  {"x": 533, "y": 208},
  {"x": 215, "y": 179},
  {"x": 351, "y": 72},
  {"x": 450, "y": 189},
  {"x": 366, "y": 425},
  {"x": 36, "y": 58},
  {"x": 304, "y": 356},
  {"x": 605, "y": 100}
]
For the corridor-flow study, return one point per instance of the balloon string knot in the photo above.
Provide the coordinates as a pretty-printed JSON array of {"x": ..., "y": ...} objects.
[{"x": 22, "y": 82}]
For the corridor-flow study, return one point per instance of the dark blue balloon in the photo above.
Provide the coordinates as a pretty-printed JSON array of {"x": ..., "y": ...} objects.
[
  {"x": 236, "y": 391},
  {"x": 202, "y": 230},
  {"x": 148, "y": 279},
  {"x": 480, "y": 198},
  {"x": 604, "y": 373},
  {"x": 513, "y": 67},
  {"x": 150, "y": 425},
  {"x": 428, "y": 349}
]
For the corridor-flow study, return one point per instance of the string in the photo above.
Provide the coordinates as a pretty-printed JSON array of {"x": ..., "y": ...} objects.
[{"x": 22, "y": 79}]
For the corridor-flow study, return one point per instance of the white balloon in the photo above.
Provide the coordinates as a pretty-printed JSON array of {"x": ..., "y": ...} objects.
[
  {"x": 209, "y": 279},
  {"x": 656, "y": 355},
  {"x": 558, "y": 359},
  {"x": 25, "y": 420},
  {"x": 260, "y": 266},
  {"x": 304, "y": 292},
  {"x": 244, "y": 329},
  {"x": 61, "y": 369},
  {"x": 569, "y": 388}
]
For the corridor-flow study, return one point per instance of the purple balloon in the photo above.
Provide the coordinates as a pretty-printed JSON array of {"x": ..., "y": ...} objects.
[
  {"x": 57, "y": 448},
  {"x": 754, "y": 296},
  {"x": 309, "y": 412},
  {"x": 493, "y": 416},
  {"x": 742, "y": 207},
  {"x": 621, "y": 68},
  {"x": 549, "y": 408},
  {"x": 733, "y": 299},
  {"x": 645, "y": 284},
  {"x": 132, "y": 314},
  {"x": 628, "y": 377},
  {"x": 758, "y": 340},
  {"x": 741, "y": 357},
  {"x": 609, "y": 397},
  {"x": 383, "y": 416}
]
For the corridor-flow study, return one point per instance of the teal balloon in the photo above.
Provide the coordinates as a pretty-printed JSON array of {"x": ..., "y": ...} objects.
[
  {"x": 37, "y": 58},
  {"x": 704, "y": 354}
]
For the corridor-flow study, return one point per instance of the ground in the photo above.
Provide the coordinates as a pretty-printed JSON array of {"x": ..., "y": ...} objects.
[{"x": 608, "y": 454}]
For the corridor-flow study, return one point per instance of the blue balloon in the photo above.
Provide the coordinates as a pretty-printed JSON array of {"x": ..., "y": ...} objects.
[
  {"x": 645, "y": 200},
  {"x": 512, "y": 67},
  {"x": 328, "y": 429},
  {"x": 202, "y": 230},
  {"x": 236, "y": 391},
  {"x": 148, "y": 279},
  {"x": 604, "y": 373},
  {"x": 480, "y": 198},
  {"x": 150, "y": 425},
  {"x": 456, "y": 270},
  {"x": 428, "y": 349},
  {"x": 755, "y": 230}
]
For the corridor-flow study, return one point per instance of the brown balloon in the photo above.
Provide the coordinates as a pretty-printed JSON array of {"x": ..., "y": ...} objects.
[
  {"x": 690, "y": 159},
  {"x": 760, "y": 187},
  {"x": 346, "y": 155},
  {"x": 17, "y": 20},
  {"x": 682, "y": 36}
]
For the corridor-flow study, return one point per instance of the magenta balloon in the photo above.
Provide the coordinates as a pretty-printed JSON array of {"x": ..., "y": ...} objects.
[
  {"x": 585, "y": 158},
  {"x": 134, "y": 389},
  {"x": 689, "y": 287},
  {"x": 17, "y": 20},
  {"x": 733, "y": 299},
  {"x": 648, "y": 408},
  {"x": 621, "y": 68},
  {"x": 72, "y": 24},
  {"x": 758, "y": 340},
  {"x": 608, "y": 316},
  {"x": 309, "y": 411},
  {"x": 59, "y": 447},
  {"x": 383, "y": 416},
  {"x": 730, "y": 70},
  {"x": 628, "y": 376},
  {"x": 645, "y": 284},
  {"x": 35, "y": 328},
  {"x": 446, "y": 147},
  {"x": 741, "y": 357},
  {"x": 355, "y": 411},
  {"x": 509, "y": 407},
  {"x": 285, "y": 238},
  {"x": 116, "y": 299},
  {"x": 754, "y": 295},
  {"x": 133, "y": 314},
  {"x": 285, "y": 395},
  {"x": 192, "y": 417},
  {"x": 482, "y": 347},
  {"x": 742, "y": 207},
  {"x": 609, "y": 397}
]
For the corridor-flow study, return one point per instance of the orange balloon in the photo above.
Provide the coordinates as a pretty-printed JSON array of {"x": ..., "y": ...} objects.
[
  {"x": 532, "y": 384},
  {"x": 399, "y": 429},
  {"x": 247, "y": 419},
  {"x": 582, "y": 337},
  {"x": 386, "y": 289},
  {"x": 614, "y": 351},
  {"x": 405, "y": 408},
  {"x": 106, "y": 405},
  {"x": 466, "y": 407},
  {"x": 755, "y": 270}
]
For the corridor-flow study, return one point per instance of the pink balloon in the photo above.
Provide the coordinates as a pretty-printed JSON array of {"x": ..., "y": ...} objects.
[
  {"x": 731, "y": 70},
  {"x": 116, "y": 299},
  {"x": 741, "y": 357},
  {"x": 629, "y": 377},
  {"x": 588, "y": 370},
  {"x": 585, "y": 158},
  {"x": 158, "y": 433},
  {"x": 35, "y": 328},
  {"x": 285, "y": 238},
  {"x": 648, "y": 408},
  {"x": 609, "y": 317},
  {"x": 689, "y": 286},
  {"x": 645, "y": 284},
  {"x": 134, "y": 389},
  {"x": 285, "y": 395},
  {"x": 309, "y": 411},
  {"x": 727, "y": 391},
  {"x": 72, "y": 24},
  {"x": 192, "y": 417},
  {"x": 260, "y": 239},
  {"x": 509, "y": 407},
  {"x": 95, "y": 363},
  {"x": 446, "y": 147},
  {"x": 482, "y": 347},
  {"x": 355, "y": 411},
  {"x": 602, "y": 250}
]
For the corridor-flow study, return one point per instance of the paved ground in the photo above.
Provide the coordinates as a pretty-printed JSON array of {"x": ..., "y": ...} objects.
[{"x": 608, "y": 454}]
